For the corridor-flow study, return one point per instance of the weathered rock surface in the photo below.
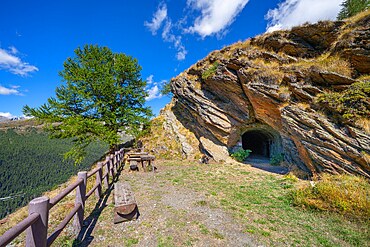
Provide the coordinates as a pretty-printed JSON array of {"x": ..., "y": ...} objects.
[
  {"x": 353, "y": 46},
  {"x": 262, "y": 92}
]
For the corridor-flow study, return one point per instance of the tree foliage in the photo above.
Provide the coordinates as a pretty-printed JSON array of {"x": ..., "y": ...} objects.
[
  {"x": 103, "y": 92},
  {"x": 166, "y": 90},
  {"x": 352, "y": 7}
]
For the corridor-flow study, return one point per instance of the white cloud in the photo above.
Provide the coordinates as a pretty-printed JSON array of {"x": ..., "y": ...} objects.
[
  {"x": 159, "y": 16},
  {"x": 149, "y": 79},
  {"x": 13, "y": 50},
  {"x": 296, "y": 12},
  {"x": 154, "y": 93},
  {"x": 216, "y": 15},
  {"x": 9, "y": 91},
  {"x": 181, "y": 54},
  {"x": 6, "y": 114},
  {"x": 9, "y": 61},
  {"x": 154, "y": 88},
  {"x": 175, "y": 40}
]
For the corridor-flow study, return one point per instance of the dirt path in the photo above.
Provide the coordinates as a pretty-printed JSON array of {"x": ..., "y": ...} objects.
[{"x": 169, "y": 216}]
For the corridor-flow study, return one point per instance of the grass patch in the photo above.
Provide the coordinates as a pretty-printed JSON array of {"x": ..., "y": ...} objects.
[
  {"x": 210, "y": 71},
  {"x": 326, "y": 63},
  {"x": 217, "y": 235},
  {"x": 349, "y": 105},
  {"x": 264, "y": 205},
  {"x": 131, "y": 241},
  {"x": 165, "y": 241},
  {"x": 345, "y": 194},
  {"x": 203, "y": 229},
  {"x": 201, "y": 203}
]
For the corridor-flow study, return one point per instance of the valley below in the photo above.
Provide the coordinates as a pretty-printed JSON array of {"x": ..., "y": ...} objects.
[{"x": 31, "y": 163}]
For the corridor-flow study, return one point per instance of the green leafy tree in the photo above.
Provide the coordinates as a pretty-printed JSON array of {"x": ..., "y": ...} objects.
[
  {"x": 103, "y": 92},
  {"x": 166, "y": 89},
  {"x": 352, "y": 7}
]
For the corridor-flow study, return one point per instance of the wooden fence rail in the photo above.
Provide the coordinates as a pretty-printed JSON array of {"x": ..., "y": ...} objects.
[{"x": 36, "y": 224}]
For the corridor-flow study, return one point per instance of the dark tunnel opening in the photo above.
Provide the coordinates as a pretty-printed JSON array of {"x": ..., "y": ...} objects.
[{"x": 258, "y": 142}]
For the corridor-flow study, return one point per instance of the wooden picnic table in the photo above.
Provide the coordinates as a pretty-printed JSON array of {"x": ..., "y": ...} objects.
[
  {"x": 137, "y": 154},
  {"x": 144, "y": 158}
]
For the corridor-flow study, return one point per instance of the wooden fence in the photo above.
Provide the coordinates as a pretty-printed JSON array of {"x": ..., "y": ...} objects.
[{"x": 36, "y": 224}]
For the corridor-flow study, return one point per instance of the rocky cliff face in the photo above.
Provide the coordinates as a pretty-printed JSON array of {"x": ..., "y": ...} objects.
[{"x": 263, "y": 95}]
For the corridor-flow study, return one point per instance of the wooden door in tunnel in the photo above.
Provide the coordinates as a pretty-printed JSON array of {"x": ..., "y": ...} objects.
[{"x": 258, "y": 142}]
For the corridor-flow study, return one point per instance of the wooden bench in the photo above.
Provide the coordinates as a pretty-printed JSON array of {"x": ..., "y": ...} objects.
[{"x": 125, "y": 206}]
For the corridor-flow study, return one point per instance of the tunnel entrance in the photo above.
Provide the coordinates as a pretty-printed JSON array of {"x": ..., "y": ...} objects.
[
  {"x": 264, "y": 141},
  {"x": 258, "y": 142}
]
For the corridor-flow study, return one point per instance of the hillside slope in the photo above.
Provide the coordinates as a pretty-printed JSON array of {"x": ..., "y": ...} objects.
[
  {"x": 303, "y": 93},
  {"x": 32, "y": 163}
]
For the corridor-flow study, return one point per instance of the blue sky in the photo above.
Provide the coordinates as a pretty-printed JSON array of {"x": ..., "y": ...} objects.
[{"x": 166, "y": 37}]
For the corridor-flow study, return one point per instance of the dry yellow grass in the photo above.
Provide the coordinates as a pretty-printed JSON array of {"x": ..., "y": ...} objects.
[
  {"x": 163, "y": 139},
  {"x": 303, "y": 106},
  {"x": 345, "y": 194},
  {"x": 357, "y": 17},
  {"x": 263, "y": 63},
  {"x": 364, "y": 78},
  {"x": 366, "y": 156},
  {"x": 364, "y": 123},
  {"x": 158, "y": 139},
  {"x": 326, "y": 63},
  {"x": 284, "y": 89}
]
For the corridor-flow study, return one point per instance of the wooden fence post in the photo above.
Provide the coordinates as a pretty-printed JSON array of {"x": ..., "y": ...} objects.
[
  {"x": 80, "y": 199},
  {"x": 122, "y": 158},
  {"x": 119, "y": 159},
  {"x": 37, "y": 233},
  {"x": 98, "y": 180},
  {"x": 111, "y": 165},
  {"x": 115, "y": 162},
  {"x": 106, "y": 173}
]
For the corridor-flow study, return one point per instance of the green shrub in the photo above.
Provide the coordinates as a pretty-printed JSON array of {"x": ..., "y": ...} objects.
[
  {"x": 241, "y": 154},
  {"x": 350, "y": 104},
  {"x": 210, "y": 71},
  {"x": 344, "y": 194},
  {"x": 277, "y": 159}
]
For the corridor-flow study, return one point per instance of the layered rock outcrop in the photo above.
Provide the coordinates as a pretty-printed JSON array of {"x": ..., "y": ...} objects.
[{"x": 261, "y": 94}]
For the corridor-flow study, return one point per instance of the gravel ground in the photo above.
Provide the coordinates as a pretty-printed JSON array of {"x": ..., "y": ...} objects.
[{"x": 170, "y": 215}]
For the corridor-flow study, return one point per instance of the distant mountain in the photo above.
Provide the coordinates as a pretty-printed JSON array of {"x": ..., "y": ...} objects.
[
  {"x": 4, "y": 119},
  {"x": 17, "y": 118}
]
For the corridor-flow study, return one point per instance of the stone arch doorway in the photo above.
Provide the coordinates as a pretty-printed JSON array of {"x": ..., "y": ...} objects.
[{"x": 264, "y": 142}]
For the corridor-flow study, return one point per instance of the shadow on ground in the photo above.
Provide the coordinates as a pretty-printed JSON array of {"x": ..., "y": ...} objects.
[
  {"x": 84, "y": 237},
  {"x": 263, "y": 163}
]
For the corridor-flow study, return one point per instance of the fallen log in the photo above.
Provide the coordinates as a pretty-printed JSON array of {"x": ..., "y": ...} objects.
[{"x": 125, "y": 206}]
